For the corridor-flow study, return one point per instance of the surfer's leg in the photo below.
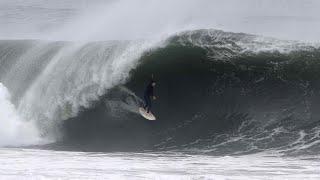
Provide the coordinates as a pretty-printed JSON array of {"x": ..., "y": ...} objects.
[
  {"x": 145, "y": 102},
  {"x": 149, "y": 105}
]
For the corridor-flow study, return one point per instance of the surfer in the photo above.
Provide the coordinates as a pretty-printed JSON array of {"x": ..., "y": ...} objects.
[{"x": 148, "y": 94}]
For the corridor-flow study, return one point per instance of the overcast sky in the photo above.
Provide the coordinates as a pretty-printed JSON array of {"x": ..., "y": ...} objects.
[{"x": 132, "y": 19}]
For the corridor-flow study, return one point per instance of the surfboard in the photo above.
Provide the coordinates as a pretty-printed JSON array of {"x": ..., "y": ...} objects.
[{"x": 148, "y": 116}]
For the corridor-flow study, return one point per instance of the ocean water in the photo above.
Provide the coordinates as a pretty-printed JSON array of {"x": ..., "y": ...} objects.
[{"x": 238, "y": 89}]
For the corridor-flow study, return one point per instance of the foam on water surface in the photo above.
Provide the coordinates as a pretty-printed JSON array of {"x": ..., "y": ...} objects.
[{"x": 46, "y": 164}]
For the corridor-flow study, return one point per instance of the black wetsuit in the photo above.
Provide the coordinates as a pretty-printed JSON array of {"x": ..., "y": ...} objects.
[{"x": 148, "y": 93}]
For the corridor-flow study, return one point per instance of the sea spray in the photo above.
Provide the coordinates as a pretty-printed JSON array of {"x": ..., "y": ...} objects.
[{"x": 14, "y": 131}]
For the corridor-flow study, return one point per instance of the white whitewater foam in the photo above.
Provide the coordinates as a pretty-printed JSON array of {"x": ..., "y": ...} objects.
[
  {"x": 43, "y": 164},
  {"x": 13, "y": 130}
]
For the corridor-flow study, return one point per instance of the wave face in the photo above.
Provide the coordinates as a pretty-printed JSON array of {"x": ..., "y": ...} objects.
[{"x": 218, "y": 93}]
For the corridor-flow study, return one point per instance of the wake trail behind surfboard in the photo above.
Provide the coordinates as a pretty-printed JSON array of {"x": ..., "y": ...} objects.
[
  {"x": 132, "y": 103},
  {"x": 128, "y": 101}
]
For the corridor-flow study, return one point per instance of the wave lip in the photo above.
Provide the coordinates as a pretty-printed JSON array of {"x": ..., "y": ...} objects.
[{"x": 225, "y": 45}]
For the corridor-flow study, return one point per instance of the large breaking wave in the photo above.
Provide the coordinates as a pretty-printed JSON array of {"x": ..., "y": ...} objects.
[{"x": 219, "y": 93}]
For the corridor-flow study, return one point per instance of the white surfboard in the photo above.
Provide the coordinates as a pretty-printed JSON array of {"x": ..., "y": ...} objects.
[{"x": 146, "y": 115}]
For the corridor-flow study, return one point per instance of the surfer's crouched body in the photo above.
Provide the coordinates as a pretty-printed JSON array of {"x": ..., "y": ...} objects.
[{"x": 148, "y": 94}]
